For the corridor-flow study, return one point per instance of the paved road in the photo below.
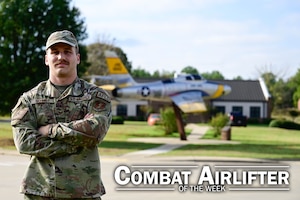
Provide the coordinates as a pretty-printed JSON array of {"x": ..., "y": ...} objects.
[{"x": 12, "y": 167}]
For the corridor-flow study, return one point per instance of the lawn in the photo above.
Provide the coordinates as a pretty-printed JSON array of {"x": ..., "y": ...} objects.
[
  {"x": 6, "y": 140},
  {"x": 254, "y": 142},
  {"x": 115, "y": 142}
]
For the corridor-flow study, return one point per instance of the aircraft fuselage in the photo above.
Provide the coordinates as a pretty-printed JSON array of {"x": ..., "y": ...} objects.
[{"x": 164, "y": 90}]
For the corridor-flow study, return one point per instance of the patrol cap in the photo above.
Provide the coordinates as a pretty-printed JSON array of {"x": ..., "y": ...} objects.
[{"x": 64, "y": 36}]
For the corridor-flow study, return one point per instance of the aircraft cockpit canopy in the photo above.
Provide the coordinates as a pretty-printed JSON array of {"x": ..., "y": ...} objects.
[{"x": 189, "y": 77}]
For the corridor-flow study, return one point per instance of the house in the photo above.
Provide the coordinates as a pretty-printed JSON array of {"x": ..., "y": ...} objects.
[
  {"x": 250, "y": 97},
  {"x": 130, "y": 108}
]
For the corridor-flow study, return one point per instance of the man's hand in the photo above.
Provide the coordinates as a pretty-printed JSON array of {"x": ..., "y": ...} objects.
[
  {"x": 44, "y": 130},
  {"x": 88, "y": 116}
]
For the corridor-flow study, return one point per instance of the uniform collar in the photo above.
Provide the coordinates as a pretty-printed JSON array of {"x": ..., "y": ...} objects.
[{"x": 73, "y": 90}]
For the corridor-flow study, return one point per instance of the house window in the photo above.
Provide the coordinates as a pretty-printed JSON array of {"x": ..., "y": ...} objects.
[
  {"x": 121, "y": 110},
  {"x": 237, "y": 109},
  {"x": 220, "y": 109},
  {"x": 254, "y": 112}
]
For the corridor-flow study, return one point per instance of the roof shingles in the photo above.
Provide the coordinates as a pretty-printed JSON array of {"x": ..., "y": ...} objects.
[{"x": 243, "y": 90}]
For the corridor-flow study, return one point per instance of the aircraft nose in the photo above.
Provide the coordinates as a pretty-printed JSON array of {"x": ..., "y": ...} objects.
[{"x": 227, "y": 89}]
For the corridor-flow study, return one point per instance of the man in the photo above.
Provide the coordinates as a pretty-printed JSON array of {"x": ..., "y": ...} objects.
[{"x": 59, "y": 123}]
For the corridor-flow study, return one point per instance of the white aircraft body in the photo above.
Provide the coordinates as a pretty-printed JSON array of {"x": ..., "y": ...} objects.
[{"x": 185, "y": 90}]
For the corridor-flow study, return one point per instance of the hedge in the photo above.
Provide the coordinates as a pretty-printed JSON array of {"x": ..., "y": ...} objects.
[{"x": 281, "y": 123}]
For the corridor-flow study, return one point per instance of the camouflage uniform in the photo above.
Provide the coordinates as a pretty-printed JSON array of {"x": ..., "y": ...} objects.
[{"x": 65, "y": 164}]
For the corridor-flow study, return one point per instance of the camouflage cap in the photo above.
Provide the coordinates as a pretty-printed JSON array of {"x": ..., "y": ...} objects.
[{"x": 64, "y": 36}]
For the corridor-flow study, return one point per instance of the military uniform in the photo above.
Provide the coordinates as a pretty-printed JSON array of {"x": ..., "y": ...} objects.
[{"x": 65, "y": 164}]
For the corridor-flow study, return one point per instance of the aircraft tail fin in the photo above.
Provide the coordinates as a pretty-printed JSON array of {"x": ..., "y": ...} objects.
[{"x": 117, "y": 70}]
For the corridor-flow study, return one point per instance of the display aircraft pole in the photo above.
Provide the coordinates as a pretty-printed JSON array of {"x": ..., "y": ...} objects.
[{"x": 179, "y": 121}]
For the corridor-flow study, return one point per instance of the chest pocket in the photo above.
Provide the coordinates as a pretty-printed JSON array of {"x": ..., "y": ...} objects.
[
  {"x": 51, "y": 111},
  {"x": 77, "y": 107},
  {"x": 44, "y": 111}
]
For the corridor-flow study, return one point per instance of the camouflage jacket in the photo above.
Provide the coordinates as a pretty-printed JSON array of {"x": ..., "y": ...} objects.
[{"x": 65, "y": 164}]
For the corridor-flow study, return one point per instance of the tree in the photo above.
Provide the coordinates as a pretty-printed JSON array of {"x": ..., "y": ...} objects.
[
  {"x": 281, "y": 93},
  {"x": 140, "y": 73},
  {"x": 296, "y": 96},
  {"x": 214, "y": 75},
  {"x": 190, "y": 70},
  {"x": 218, "y": 122},
  {"x": 167, "y": 74},
  {"x": 168, "y": 120},
  {"x": 156, "y": 74},
  {"x": 96, "y": 58},
  {"x": 294, "y": 85},
  {"x": 238, "y": 78},
  {"x": 163, "y": 74},
  {"x": 25, "y": 26},
  {"x": 270, "y": 79}
]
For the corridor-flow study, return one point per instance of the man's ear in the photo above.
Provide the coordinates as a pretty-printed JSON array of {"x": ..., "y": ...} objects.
[
  {"x": 78, "y": 58},
  {"x": 46, "y": 60}
]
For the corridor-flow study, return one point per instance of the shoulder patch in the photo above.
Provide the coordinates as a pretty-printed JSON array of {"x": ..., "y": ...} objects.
[
  {"x": 103, "y": 96},
  {"x": 98, "y": 106},
  {"x": 18, "y": 114}
]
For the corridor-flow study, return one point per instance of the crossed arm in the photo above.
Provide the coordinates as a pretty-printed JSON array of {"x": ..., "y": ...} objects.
[
  {"x": 45, "y": 130},
  {"x": 61, "y": 138}
]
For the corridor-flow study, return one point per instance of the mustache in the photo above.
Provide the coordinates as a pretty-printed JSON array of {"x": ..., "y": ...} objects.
[{"x": 62, "y": 62}]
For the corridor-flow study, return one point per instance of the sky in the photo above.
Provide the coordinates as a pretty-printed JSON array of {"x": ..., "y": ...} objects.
[{"x": 235, "y": 37}]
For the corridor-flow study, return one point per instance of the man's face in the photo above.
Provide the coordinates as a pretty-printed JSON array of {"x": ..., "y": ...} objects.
[{"x": 62, "y": 60}]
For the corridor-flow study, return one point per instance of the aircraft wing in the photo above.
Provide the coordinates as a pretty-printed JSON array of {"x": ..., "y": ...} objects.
[{"x": 190, "y": 101}]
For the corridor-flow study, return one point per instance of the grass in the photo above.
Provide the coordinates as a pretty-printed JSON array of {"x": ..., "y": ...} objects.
[
  {"x": 6, "y": 139},
  {"x": 254, "y": 142},
  {"x": 115, "y": 142},
  {"x": 135, "y": 129}
]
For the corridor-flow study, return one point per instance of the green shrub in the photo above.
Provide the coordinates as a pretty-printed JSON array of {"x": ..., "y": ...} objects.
[
  {"x": 282, "y": 123},
  {"x": 293, "y": 113},
  {"x": 256, "y": 121},
  {"x": 218, "y": 122},
  {"x": 117, "y": 120},
  {"x": 168, "y": 120}
]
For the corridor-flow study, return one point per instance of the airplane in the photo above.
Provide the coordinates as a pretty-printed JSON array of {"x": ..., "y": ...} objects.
[{"x": 187, "y": 91}]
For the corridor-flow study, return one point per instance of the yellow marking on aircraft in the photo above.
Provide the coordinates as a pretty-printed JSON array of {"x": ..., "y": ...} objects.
[
  {"x": 219, "y": 91},
  {"x": 192, "y": 107},
  {"x": 124, "y": 85},
  {"x": 107, "y": 87},
  {"x": 115, "y": 66}
]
